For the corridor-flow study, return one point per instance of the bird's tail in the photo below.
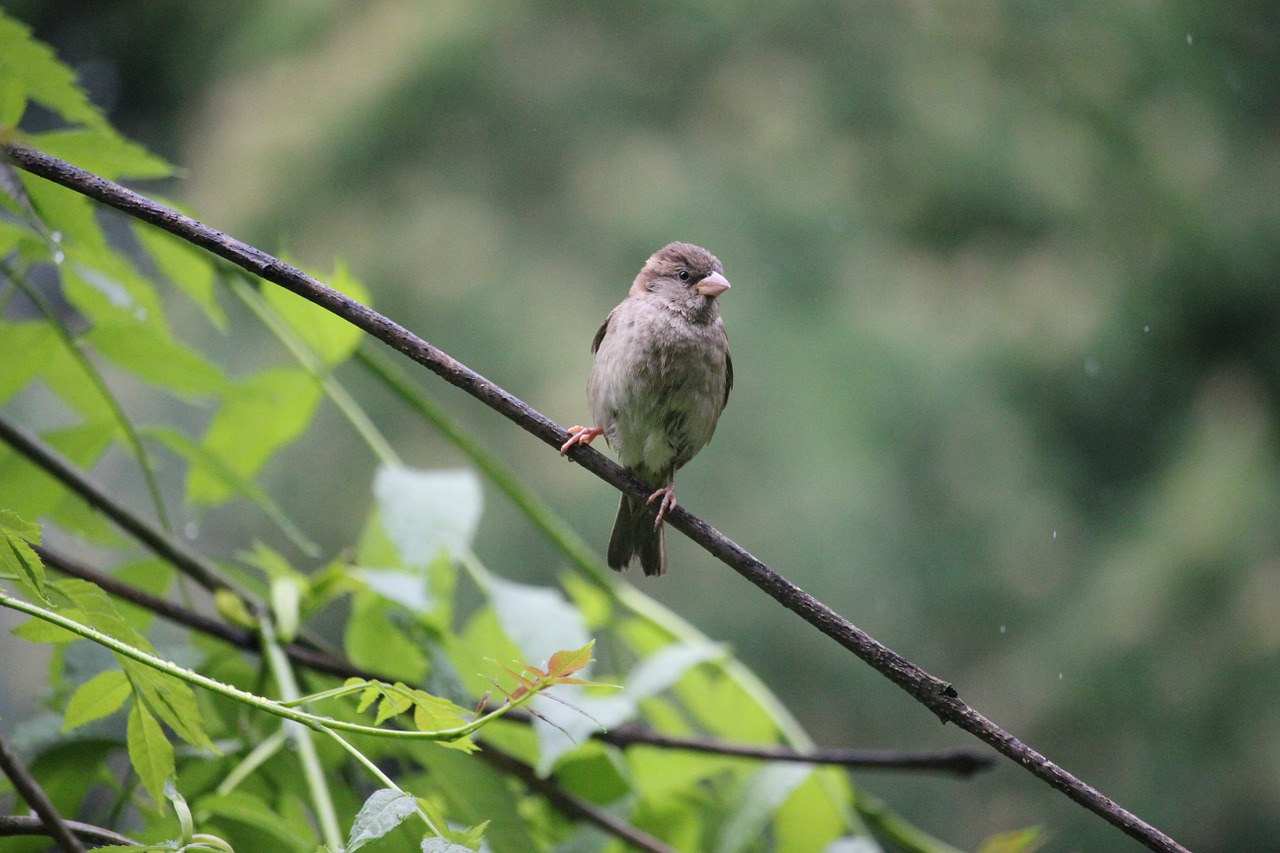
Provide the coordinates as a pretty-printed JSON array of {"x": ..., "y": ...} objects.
[{"x": 634, "y": 536}]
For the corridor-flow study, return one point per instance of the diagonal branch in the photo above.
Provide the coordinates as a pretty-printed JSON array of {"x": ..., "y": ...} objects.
[
  {"x": 26, "y": 785},
  {"x": 191, "y": 564},
  {"x": 935, "y": 694}
]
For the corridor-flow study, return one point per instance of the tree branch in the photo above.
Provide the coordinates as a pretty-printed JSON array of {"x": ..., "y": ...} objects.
[
  {"x": 959, "y": 762},
  {"x": 194, "y": 565},
  {"x": 935, "y": 694},
  {"x": 16, "y": 825},
  {"x": 27, "y": 786},
  {"x": 572, "y": 805}
]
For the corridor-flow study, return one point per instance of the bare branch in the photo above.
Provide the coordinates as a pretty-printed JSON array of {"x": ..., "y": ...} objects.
[
  {"x": 960, "y": 762},
  {"x": 17, "y": 825},
  {"x": 194, "y": 565},
  {"x": 935, "y": 694},
  {"x": 571, "y": 805},
  {"x": 27, "y": 786}
]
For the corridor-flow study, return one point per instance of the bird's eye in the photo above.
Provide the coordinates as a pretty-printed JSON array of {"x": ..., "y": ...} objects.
[{"x": 684, "y": 275}]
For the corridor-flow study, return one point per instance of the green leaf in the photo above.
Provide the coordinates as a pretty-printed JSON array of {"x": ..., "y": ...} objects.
[
  {"x": 13, "y": 102},
  {"x": 16, "y": 557},
  {"x": 258, "y": 416},
  {"x": 251, "y": 810},
  {"x": 329, "y": 336},
  {"x": 149, "y": 751},
  {"x": 171, "y": 700},
  {"x": 69, "y": 216},
  {"x": 374, "y": 641},
  {"x": 36, "y": 630},
  {"x": 152, "y": 356},
  {"x": 103, "y": 152},
  {"x": 444, "y": 845},
  {"x": 1015, "y": 841},
  {"x": 186, "y": 268},
  {"x": 100, "y": 696},
  {"x": 44, "y": 79},
  {"x": 538, "y": 619},
  {"x": 597, "y": 774},
  {"x": 34, "y": 493},
  {"x": 108, "y": 291},
  {"x": 766, "y": 790},
  {"x": 811, "y": 819},
  {"x": 426, "y": 512},
  {"x": 383, "y": 811},
  {"x": 100, "y": 612},
  {"x": 215, "y": 468},
  {"x": 433, "y": 714},
  {"x": 25, "y": 350}
]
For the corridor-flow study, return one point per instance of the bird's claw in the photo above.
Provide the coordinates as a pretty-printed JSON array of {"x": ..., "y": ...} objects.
[
  {"x": 667, "y": 503},
  {"x": 579, "y": 435}
]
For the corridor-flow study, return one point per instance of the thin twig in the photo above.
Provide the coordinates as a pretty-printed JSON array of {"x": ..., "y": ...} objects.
[
  {"x": 17, "y": 825},
  {"x": 194, "y": 565},
  {"x": 570, "y": 804},
  {"x": 232, "y": 634},
  {"x": 29, "y": 789},
  {"x": 960, "y": 762},
  {"x": 935, "y": 694}
]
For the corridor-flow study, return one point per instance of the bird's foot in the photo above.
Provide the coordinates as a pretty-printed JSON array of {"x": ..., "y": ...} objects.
[
  {"x": 665, "y": 505},
  {"x": 579, "y": 435}
]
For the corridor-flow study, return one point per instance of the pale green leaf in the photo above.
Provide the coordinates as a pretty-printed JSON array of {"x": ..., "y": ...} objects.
[
  {"x": 102, "y": 151},
  {"x": 17, "y": 559},
  {"x": 444, "y": 845},
  {"x": 42, "y": 76},
  {"x": 766, "y": 790},
  {"x": 13, "y": 102},
  {"x": 186, "y": 268},
  {"x": 100, "y": 612},
  {"x": 149, "y": 751},
  {"x": 258, "y": 417},
  {"x": 36, "y": 630},
  {"x": 426, "y": 512},
  {"x": 383, "y": 811},
  {"x": 374, "y": 641},
  {"x": 538, "y": 619},
  {"x": 25, "y": 350},
  {"x": 250, "y": 810},
  {"x": 98, "y": 697},
  {"x": 171, "y": 700},
  {"x": 152, "y": 356},
  {"x": 109, "y": 291},
  {"x": 812, "y": 818},
  {"x": 217, "y": 469},
  {"x": 68, "y": 215},
  {"x": 329, "y": 336},
  {"x": 11, "y": 522}
]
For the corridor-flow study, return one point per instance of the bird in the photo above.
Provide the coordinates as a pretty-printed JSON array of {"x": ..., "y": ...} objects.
[{"x": 659, "y": 381}]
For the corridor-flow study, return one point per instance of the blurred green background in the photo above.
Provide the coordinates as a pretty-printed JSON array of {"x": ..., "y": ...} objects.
[{"x": 1005, "y": 322}]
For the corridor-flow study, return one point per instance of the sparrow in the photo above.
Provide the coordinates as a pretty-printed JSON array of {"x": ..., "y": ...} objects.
[{"x": 660, "y": 379}]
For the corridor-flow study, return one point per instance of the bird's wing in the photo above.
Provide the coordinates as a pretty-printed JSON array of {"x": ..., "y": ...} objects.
[
  {"x": 604, "y": 327},
  {"x": 728, "y": 377}
]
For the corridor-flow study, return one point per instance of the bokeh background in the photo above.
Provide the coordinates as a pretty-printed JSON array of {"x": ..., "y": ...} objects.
[{"x": 1005, "y": 322}]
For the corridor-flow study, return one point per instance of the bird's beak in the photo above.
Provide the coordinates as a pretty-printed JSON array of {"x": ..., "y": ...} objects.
[{"x": 713, "y": 285}]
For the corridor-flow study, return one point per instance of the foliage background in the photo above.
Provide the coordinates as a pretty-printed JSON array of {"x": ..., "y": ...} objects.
[{"x": 1005, "y": 321}]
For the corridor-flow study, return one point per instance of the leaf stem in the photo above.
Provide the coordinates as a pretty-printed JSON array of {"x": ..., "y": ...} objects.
[{"x": 313, "y": 721}]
